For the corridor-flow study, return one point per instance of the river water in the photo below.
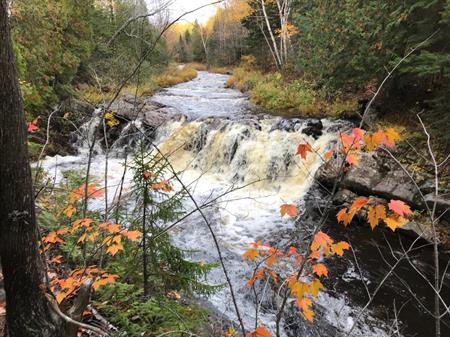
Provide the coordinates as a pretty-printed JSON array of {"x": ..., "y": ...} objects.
[{"x": 223, "y": 144}]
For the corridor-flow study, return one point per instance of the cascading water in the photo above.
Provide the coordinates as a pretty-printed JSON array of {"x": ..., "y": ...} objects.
[{"x": 221, "y": 145}]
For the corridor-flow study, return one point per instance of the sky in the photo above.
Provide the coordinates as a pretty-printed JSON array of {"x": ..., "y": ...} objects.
[{"x": 182, "y": 6}]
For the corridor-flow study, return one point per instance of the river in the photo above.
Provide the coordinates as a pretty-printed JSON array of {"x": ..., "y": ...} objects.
[{"x": 223, "y": 144}]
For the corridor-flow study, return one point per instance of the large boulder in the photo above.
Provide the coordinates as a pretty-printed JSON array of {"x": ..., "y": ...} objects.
[
  {"x": 373, "y": 176},
  {"x": 152, "y": 114},
  {"x": 77, "y": 107}
]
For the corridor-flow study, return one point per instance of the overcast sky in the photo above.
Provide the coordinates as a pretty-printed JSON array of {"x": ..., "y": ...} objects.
[{"x": 182, "y": 6}]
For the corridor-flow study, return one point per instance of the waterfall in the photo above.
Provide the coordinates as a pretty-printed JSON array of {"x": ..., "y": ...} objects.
[{"x": 221, "y": 144}]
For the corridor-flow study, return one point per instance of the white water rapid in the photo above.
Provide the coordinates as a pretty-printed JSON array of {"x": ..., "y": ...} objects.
[{"x": 221, "y": 145}]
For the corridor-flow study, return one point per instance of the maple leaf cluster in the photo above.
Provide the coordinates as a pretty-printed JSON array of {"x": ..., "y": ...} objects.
[
  {"x": 352, "y": 143},
  {"x": 304, "y": 286},
  {"x": 394, "y": 217},
  {"x": 67, "y": 287},
  {"x": 101, "y": 236}
]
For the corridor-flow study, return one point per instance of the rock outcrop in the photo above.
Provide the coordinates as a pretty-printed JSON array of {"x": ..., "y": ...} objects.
[
  {"x": 152, "y": 114},
  {"x": 381, "y": 177}
]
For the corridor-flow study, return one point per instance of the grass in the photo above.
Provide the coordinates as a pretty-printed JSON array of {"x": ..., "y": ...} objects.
[
  {"x": 294, "y": 98},
  {"x": 171, "y": 76},
  {"x": 174, "y": 75}
]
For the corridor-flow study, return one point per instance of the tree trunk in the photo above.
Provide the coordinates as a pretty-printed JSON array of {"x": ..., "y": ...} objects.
[
  {"x": 276, "y": 52},
  {"x": 28, "y": 311}
]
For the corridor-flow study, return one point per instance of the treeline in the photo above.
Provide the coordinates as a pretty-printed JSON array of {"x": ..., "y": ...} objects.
[
  {"x": 219, "y": 42},
  {"x": 339, "y": 47},
  {"x": 62, "y": 43}
]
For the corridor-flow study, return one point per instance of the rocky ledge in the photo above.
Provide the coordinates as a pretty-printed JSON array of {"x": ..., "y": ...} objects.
[{"x": 381, "y": 177}]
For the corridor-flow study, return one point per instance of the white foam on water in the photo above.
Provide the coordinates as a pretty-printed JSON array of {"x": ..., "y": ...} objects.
[{"x": 214, "y": 156}]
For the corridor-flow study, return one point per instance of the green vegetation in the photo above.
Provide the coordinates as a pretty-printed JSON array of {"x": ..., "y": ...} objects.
[
  {"x": 329, "y": 57},
  {"x": 148, "y": 283},
  {"x": 61, "y": 45},
  {"x": 123, "y": 305},
  {"x": 290, "y": 97}
]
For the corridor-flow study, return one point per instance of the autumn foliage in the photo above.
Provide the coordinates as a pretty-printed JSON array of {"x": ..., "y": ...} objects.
[
  {"x": 309, "y": 265},
  {"x": 107, "y": 237}
]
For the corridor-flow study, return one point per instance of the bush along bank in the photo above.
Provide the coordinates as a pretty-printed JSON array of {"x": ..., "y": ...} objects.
[{"x": 289, "y": 97}]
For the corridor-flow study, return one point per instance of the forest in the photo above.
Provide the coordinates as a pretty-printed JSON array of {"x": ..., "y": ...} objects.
[{"x": 275, "y": 168}]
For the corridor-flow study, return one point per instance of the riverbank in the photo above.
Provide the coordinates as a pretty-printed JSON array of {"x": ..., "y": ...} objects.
[
  {"x": 289, "y": 97},
  {"x": 71, "y": 113},
  {"x": 218, "y": 139}
]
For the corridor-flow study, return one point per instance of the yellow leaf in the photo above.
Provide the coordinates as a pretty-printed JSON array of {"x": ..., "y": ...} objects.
[
  {"x": 69, "y": 211},
  {"x": 375, "y": 214},
  {"x": 60, "y": 297},
  {"x": 315, "y": 287},
  {"x": 93, "y": 236},
  {"x": 395, "y": 222},
  {"x": 392, "y": 137},
  {"x": 114, "y": 249},
  {"x": 298, "y": 289},
  {"x": 339, "y": 247}
]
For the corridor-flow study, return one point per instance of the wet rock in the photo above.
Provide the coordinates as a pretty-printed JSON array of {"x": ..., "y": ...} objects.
[
  {"x": 442, "y": 203},
  {"x": 152, "y": 114},
  {"x": 284, "y": 125},
  {"x": 251, "y": 123},
  {"x": 415, "y": 228},
  {"x": 374, "y": 176},
  {"x": 77, "y": 107},
  {"x": 344, "y": 197},
  {"x": 313, "y": 129}
]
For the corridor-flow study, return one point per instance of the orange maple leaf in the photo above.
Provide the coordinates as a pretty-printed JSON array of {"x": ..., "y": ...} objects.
[
  {"x": 69, "y": 211},
  {"x": 115, "y": 248},
  {"x": 132, "y": 235},
  {"x": 359, "y": 203},
  {"x": 112, "y": 228},
  {"x": 375, "y": 214},
  {"x": 358, "y": 133},
  {"x": 352, "y": 159},
  {"x": 327, "y": 156},
  {"x": 320, "y": 269},
  {"x": 250, "y": 254},
  {"x": 392, "y": 136},
  {"x": 259, "y": 274},
  {"x": 345, "y": 217},
  {"x": 259, "y": 332},
  {"x": 305, "y": 306},
  {"x": 322, "y": 240},
  {"x": 303, "y": 150},
  {"x": 290, "y": 210}
]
